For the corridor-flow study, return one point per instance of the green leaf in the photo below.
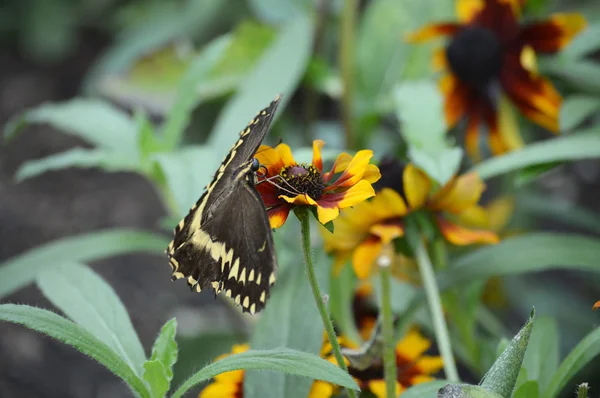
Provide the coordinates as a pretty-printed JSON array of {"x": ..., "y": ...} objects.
[
  {"x": 573, "y": 147},
  {"x": 542, "y": 357},
  {"x": 92, "y": 120},
  {"x": 584, "y": 43},
  {"x": 341, "y": 289},
  {"x": 280, "y": 360},
  {"x": 532, "y": 173},
  {"x": 278, "y": 71},
  {"x": 77, "y": 157},
  {"x": 440, "y": 165},
  {"x": 583, "y": 74},
  {"x": 92, "y": 303},
  {"x": 526, "y": 253},
  {"x": 164, "y": 349},
  {"x": 576, "y": 109},
  {"x": 156, "y": 377},
  {"x": 424, "y": 390},
  {"x": 62, "y": 329},
  {"x": 529, "y": 389},
  {"x": 22, "y": 269},
  {"x": 187, "y": 171},
  {"x": 188, "y": 96},
  {"x": 581, "y": 355},
  {"x": 290, "y": 319},
  {"x": 466, "y": 391},
  {"x": 502, "y": 376},
  {"x": 279, "y": 11}
]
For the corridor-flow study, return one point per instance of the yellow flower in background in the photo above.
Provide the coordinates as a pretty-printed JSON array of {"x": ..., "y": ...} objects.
[
  {"x": 287, "y": 183},
  {"x": 362, "y": 232},
  {"x": 231, "y": 384},
  {"x": 490, "y": 63}
]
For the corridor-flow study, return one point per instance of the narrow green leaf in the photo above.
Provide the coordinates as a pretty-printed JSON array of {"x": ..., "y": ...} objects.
[
  {"x": 156, "y": 377},
  {"x": 290, "y": 319},
  {"x": 187, "y": 97},
  {"x": 425, "y": 390},
  {"x": 502, "y": 376},
  {"x": 581, "y": 355},
  {"x": 164, "y": 349},
  {"x": 576, "y": 109},
  {"x": 279, "y": 11},
  {"x": 92, "y": 303},
  {"x": 22, "y": 269},
  {"x": 62, "y": 329},
  {"x": 529, "y": 389},
  {"x": 542, "y": 357},
  {"x": 582, "y": 73},
  {"x": 340, "y": 302},
  {"x": 95, "y": 121},
  {"x": 77, "y": 157},
  {"x": 526, "y": 253},
  {"x": 278, "y": 71},
  {"x": 466, "y": 391},
  {"x": 576, "y": 146},
  {"x": 584, "y": 43},
  {"x": 280, "y": 360},
  {"x": 187, "y": 171}
]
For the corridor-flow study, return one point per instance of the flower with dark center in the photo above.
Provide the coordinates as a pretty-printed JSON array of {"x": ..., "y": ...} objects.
[
  {"x": 286, "y": 183},
  {"x": 490, "y": 62}
]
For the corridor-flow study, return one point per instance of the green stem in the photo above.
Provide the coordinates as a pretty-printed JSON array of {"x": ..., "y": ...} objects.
[
  {"x": 582, "y": 390},
  {"x": 302, "y": 215},
  {"x": 435, "y": 307},
  {"x": 346, "y": 61},
  {"x": 389, "y": 353}
]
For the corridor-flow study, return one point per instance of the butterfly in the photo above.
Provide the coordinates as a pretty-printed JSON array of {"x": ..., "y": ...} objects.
[{"x": 225, "y": 242}]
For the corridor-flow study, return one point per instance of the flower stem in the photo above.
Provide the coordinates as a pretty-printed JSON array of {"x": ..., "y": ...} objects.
[
  {"x": 389, "y": 350},
  {"x": 346, "y": 60},
  {"x": 435, "y": 307},
  {"x": 302, "y": 215}
]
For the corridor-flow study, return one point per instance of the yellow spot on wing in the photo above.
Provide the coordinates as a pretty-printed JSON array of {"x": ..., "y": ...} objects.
[
  {"x": 234, "y": 270},
  {"x": 259, "y": 278},
  {"x": 178, "y": 275},
  {"x": 253, "y": 308},
  {"x": 228, "y": 293},
  {"x": 237, "y": 299},
  {"x": 262, "y": 297},
  {"x": 251, "y": 276},
  {"x": 242, "y": 278},
  {"x": 262, "y": 249},
  {"x": 246, "y": 302},
  {"x": 272, "y": 278}
]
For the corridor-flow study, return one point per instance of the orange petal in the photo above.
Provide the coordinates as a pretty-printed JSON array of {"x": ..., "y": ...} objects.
[
  {"x": 466, "y": 10},
  {"x": 372, "y": 173},
  {"x": 364, "y": 257},
  {"x": 554, "y": 34},
  {"x": 285, "y": 153},
  {"x": 419, "y": 379},
  {"x": 270, "y": 158},
  {"x": 464, "y": 192},
  {"x": 321, "y": 389},
  {"x": 472, "y": 137},
  {"x": 388, "y": 204},
  {"x": 221, "y": 390},
  {"x": 416, "y": 186},
  {"x": 439, "y": 61},
  {"x": 378, "y": 388},
  {"x": 317, "y": 160},
  {"x": 508, "y": 125},
  {"x": 387, "y": 233},
  {"x": 428, "y": 365},
  {"x": 278, "y": 215},
  {"x": 596, "y": 306},
  {"x": 432, "y": 31},
  {"x": 353, "y": 196},
  {"x": 412, "y": 345},
  {"x": 499, "y": 212},
  {"x": 495, "y": 139},
  {"x": 355, "y": 170},
  {"x": 475, "y": 216},
  {"x": 456, "y": 97},
  {"x": 462, "y": 236}
]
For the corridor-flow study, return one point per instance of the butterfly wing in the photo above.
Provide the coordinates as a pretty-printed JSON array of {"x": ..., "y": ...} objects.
[
  {"x": 225, "y": 241},
  {"x": 233, "y": 252}
]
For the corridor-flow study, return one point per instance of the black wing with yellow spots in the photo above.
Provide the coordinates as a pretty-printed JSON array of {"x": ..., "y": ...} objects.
[{"x": 225, "y": 242}]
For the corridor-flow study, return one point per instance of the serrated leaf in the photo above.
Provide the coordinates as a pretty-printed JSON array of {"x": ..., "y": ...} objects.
[
  {"x": 576, "y": 109},
  {"x": 280, "y": 360},
  {"x": 62, "y": 329},
  {"x": 156, "y": 377},
  {"x": 22, "y": 269},
  {"x": 92, "y": 120},
  {"x": 92, "y": 303},
  {"x": 586, "y": 350},
  {"x": 80, "y": 158},
  {"x": 577, "y": 146},
  {"x": 279, "y": 70},
  {"x": 291, "y": 319},
  {"x": 502, "y": 376},
  {"x": 164, "y": 349}
]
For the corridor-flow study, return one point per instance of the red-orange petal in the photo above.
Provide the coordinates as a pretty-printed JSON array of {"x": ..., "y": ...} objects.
[
  {"x": 596, "y": 306},
  {"x": 354, "y": 171},
  {"x": 456, "y": 97},
  {"x": 431, "y": 31},
  {"x": 472, "y": 137},
  {"x": 278, "y": 215},
  {"x": 299, "y": 200},
  {"x": 554, "y": 34},
  {"x": 317, "y": 160},
  {"x": 358, "y": 193},
  {"x": 462, "y": 236}
]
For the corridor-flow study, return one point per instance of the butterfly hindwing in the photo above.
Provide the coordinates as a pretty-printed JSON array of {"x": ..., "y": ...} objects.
[{"x": 225, "y": 242}]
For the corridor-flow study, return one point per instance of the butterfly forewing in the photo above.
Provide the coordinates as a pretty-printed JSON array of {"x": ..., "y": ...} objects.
[{"x": 225, "y": 241}]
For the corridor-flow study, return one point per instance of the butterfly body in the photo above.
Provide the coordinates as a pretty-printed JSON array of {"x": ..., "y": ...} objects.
[{"x": 225, "y": 242}]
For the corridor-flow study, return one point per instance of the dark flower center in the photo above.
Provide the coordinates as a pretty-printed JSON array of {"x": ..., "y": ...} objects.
[
  {"x": 475, "y": 56},
  {"x": 301, "y": 179}
]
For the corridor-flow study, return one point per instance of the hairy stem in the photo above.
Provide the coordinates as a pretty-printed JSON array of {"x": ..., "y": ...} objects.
[{"x": 389, "y": 352}]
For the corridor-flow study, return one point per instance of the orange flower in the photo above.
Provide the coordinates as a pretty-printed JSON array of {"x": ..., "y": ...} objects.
[
  {"x": 362, "y": 232},
  {"x": 286, "y": 184},
  {"x": 231, "y": 384},
  {"x": 490, "y": 57},
  {"x": 596, "y": 306}
]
